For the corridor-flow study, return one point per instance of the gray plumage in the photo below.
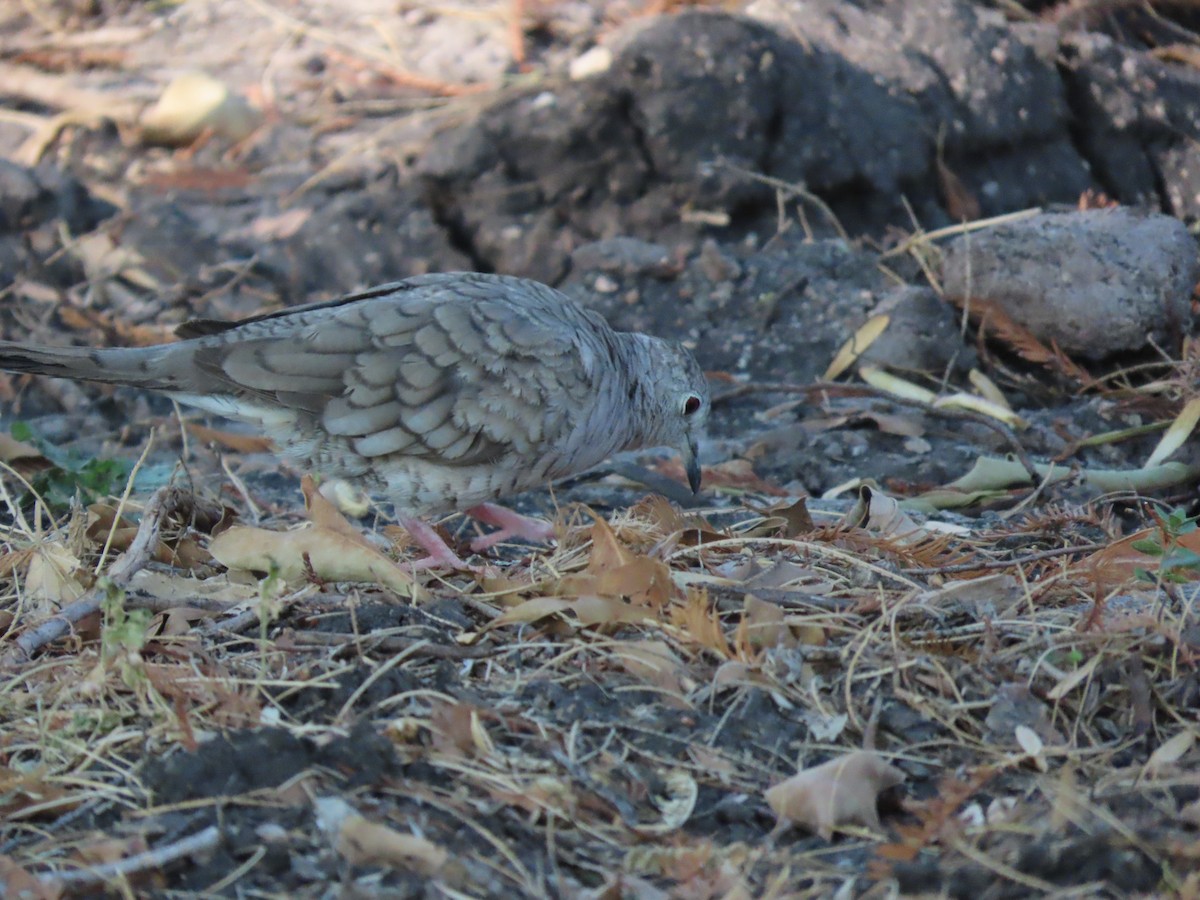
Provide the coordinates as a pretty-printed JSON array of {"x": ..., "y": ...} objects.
[{"x": 441, "y": 391}]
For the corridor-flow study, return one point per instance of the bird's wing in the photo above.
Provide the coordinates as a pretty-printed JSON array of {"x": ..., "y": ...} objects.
[{"x": 434, "y": 373}]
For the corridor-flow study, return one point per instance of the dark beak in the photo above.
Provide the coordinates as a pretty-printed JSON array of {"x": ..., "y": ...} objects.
[{"x": 692, "y": 464}]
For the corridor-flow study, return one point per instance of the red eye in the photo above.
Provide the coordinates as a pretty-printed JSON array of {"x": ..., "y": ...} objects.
[{"x": 690, "y": 405}]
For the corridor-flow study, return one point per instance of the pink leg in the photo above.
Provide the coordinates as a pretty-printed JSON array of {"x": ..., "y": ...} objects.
[
  {"x": 511, "y": 525},
  {"x": 440, "y": 555}
]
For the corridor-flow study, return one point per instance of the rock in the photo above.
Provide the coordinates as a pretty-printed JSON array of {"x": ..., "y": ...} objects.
[
  {"x": 909, "y": 71},
  {"x": 922, "y": 334},
  {"x": 1138, "y": 122},
  {"x": 1095, "y": 282},
  {"x": 623, "y": 256},
  {"x": 37, "y": 207}
]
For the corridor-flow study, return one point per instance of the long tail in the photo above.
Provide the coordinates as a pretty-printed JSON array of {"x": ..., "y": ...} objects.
[{"x": 135, "y": 366}]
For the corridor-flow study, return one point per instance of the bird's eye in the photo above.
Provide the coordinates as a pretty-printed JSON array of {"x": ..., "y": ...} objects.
[{"x": 690, "y": 405}]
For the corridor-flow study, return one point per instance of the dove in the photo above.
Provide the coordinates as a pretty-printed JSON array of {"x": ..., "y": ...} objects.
[{"x": 440, "y": 393}]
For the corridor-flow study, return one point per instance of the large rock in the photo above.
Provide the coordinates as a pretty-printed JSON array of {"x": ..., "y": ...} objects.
[
  {"x": 1096, "y": 283},
  {"x": 1138, "y": 122}
]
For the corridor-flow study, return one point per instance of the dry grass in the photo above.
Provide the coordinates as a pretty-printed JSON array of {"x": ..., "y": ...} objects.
[{"x": 608, "y": 713}]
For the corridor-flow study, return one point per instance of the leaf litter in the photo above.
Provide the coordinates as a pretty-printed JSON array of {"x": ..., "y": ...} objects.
[{"x": 664, "y": 703}]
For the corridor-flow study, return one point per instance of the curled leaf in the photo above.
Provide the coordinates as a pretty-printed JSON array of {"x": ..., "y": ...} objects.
[{"x": 836, "y": 793}]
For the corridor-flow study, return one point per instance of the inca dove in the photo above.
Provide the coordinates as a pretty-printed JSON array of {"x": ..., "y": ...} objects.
[{"x": 441, "y": 392}]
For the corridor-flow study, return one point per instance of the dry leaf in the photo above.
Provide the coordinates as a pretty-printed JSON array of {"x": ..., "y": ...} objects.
[
  {"x": 796, "y": 518},
  {"x": 1176, "y": 435},
  {"x": 231, "y": 440},
  {"x": 1170, "y": 752},
  {"x": 458, "y": 730},
  {"x": 608, "y": 552},
  {"x": 678, "y": 804},
  {"x": 531, "y": 611},
  {"x": 893, "y": 384},
  {"x": 618, "y": 586},
  {"x": 1031, "y": 745},
  {"x": 987, "y": 388},
  {"x": 16, "y": 881},
  {"x": 699, "y": 620},
  {"x": 53, "y": 575},
  {"x": 653, "y": 661},
  {"x": 735, "y": 673},
  {"x": 881, "y": 514},
  {"x": 764, "y": 624},
  {"x": 972, "y": 403},
  {"x": 961, "y": 204},
  {"x": 365, "y": 843},
  {"x": 195, "y": 103},
  {"x": 840, "y": 792},
  {"x": 103, "y": 851},
  {"x": 279, "y": 227},
  {"x": 185, "y": 591},
  {"x": 592, "y": 609},
  {"x": 856, "y": 346},
  {"x": 17, "y": 453},
  {"x": 296, "y": 555}
]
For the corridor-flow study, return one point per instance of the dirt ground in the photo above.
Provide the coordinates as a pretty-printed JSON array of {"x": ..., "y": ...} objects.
[{"x": 887, "y": 650}]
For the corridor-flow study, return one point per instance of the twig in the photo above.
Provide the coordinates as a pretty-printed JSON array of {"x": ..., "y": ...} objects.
[
  {"x": 164, "y": 502},
  {"x": 787, "y": 187},
  {"x": 1006, "y": 563},
  {"x": 926, "y": 237},
  {"x": 112, "y": 531},
  {"x": 141, "y": 862}
]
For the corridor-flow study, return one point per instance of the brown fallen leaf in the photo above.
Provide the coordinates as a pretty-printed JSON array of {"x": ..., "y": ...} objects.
[
  {"x": 365, "y": 843},
  {"x": 323, "y": 513},
  {"x": 763, "y": 624},
  {"x": 54, "y": 576},
  {"x": 960, "y": 202},
  {"x": 608, "y": 553},
  {"x": 880, "y": 514},
  {"x": 458, "y": 731},
  {"x": 666, "y": 519},
  {"x": 699, "y": 620},
  {"x": 297, "y": 555},
  {"x": 331, "y": 549},
  {"x": 230, "y": 440},
  {"x": 840, "y": 792},
  {"x": 23, "y": 457},
  {"x": 195, "y": 103},
  {"x": 652, "y": 661},
  {"x": 16, "y": 881},
  {"x": 618, "y": 586}
]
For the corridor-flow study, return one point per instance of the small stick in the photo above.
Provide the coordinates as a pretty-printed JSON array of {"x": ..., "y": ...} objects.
[
  {"x": 165, "y": 501},
  {"x": 158, "y": 858}
]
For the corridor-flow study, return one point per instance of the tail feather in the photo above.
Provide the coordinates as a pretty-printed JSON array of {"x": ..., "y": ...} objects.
[{"x": 134, "y": 366}]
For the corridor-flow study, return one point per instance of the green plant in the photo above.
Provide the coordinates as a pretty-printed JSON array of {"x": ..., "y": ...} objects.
[
  {"x": 71, "y": 473},
  {"x": 1177, "y": 563}
]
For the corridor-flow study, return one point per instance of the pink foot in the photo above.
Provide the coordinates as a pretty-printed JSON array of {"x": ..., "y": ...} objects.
[
  {"x": 511, "y": 525},
  {"x": 440, "y": 554}
]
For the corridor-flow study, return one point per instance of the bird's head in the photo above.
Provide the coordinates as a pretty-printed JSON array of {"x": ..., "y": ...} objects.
[{"x": 676, "y": 403}]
